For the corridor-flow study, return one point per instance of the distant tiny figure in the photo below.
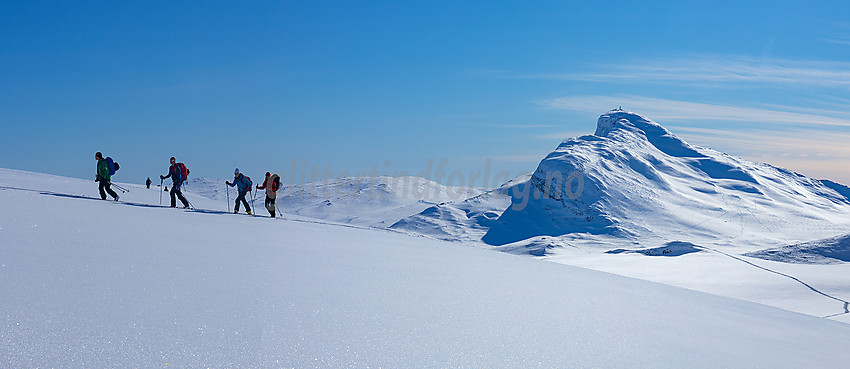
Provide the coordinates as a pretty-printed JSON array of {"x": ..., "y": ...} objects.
[
  {"x": 243, "y": 184},
  {"x": 271, "y": 185},
  {"x": 148, "y": 183},
  {"x": 178, "y": 173},
  {"x": 104, "y": 176}
]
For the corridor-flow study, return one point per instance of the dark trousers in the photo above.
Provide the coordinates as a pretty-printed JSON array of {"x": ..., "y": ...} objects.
[
  {"x": 241, "y": 197},
  {"x": 270, "y": 205},
  {"x": 106, "y": 187},
  {"x": 175, "y": 191}
]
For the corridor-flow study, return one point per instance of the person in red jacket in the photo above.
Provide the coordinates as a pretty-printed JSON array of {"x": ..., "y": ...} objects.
[
  {"x": 271, "y": 185},
  {"x": 177, "y": 172}
]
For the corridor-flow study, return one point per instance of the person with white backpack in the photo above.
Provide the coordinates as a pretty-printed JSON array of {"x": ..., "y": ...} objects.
[{"x": 271, "y": 185}]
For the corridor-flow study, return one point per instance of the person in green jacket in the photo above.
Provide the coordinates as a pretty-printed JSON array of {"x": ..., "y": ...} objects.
[{"x": 104, "y": 177}]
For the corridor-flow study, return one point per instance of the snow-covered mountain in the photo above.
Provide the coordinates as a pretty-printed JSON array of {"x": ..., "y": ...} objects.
[
  {"x": 632, "y": 199},
  {"x": 91, "y": 283},
  {"x": 636, "y": 200},
  {"x": 466, "y": 220},
  {"x": 635, "y": 180},
  {"x": 365, "y": 201}
]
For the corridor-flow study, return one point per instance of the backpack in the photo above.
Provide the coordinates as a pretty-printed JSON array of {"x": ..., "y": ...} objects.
[
  {"x": 112, "y": 165},
  {"x": 246, "y": 178},
  {"x": 275, "y": 183},
  {"x": 184, "y": 172}
]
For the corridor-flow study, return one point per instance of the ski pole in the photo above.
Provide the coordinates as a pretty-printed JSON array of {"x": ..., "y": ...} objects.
[
  {"x": 253, "y": 204},
  {"x": 117, "y": 187},
  {"x": 226, "y": 188},
  {"x": 255, "y": 201},
  {"x": 160, "y": 192}
]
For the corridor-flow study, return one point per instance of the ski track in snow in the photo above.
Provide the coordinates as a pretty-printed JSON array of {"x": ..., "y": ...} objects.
[
  {"x": 810, "y": 287},
  {"x": 787, "y": 242},
  {"x": 121, "y": 202},
  {"x": 314, "y": 322},
  {"x": 846, "y": 304},
  {"x": 192, "y": 209},
  {"x": 798, "y": 280},
  {"x": 338, "y": 297}
]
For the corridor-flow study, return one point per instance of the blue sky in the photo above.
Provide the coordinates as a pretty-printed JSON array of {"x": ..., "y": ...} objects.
[{"x": 346, "y": 87}]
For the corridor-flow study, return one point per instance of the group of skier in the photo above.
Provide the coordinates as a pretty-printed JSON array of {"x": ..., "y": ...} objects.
[
  {"x": 178, "y": 173},
  {"x": 243, "y": 185}
]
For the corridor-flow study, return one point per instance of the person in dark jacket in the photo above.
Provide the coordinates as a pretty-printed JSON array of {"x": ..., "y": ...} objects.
[
  {"x": 243, "y": 185},
  {"x": 148, "y": 183},
  {"x": 103, "y": 177},
  {"x": 175, "y": 171}
]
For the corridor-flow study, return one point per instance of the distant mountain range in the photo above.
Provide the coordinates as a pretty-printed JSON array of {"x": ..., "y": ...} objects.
[{"x": 632, "y": 181}]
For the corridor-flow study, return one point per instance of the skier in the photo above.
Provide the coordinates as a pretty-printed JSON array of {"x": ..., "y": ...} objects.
[
  {"x": 148, "y": 183},
  {"x": 177, "y": 172},
  {"x": 271, "y": 185},
  {"x": 103, "y": 177},
  {"x": 243, "y": 184}
]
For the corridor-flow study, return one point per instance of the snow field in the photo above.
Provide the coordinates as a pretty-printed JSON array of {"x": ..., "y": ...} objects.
[{"x": 90, "y": 283}]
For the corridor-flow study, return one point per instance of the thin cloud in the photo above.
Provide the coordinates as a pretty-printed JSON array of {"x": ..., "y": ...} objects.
[
  {"x": 660, "y": 109},
  {"x": 793, "y": 143},
  {"x": 835, "y": 170},
  {"x": 718, "y": 69},
  {"x": 527, "y": 125},
  {"x": 561, "y": 135},
  {"x": 840, "y": 41},
  {"x": 519, "y": 158},
  {"x": 814, "y": 153}
]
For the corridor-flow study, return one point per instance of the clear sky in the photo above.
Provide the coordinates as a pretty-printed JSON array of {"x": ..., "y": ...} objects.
[{"x": 348, "y": 86}]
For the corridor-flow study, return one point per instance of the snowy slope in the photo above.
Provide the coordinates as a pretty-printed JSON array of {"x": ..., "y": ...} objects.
[
  {"x": 832, "y": 250},
  {"x": 366, "y": 201},
  {"x": 635, "y": 180},
  {"x": 657, "y": 208},
  {"x": 91, "y": 283},
  {"x": 77, "y": 188},
  {"x": 466, "y": 220}
]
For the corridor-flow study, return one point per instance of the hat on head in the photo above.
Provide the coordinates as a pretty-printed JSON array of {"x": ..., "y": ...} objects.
[
  {"x": 236, "y": 171},
  {"x": 268, "y": 174}
]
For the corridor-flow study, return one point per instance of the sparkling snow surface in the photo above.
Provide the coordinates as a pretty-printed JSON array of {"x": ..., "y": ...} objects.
[{"x": 90, "y": 283}]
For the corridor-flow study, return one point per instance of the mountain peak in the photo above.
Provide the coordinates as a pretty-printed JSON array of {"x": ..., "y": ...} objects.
[
  {"x": 619, "y": 118},
  {"x": 634, "y": 179},
  {"x": 626, "y": 126}
]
